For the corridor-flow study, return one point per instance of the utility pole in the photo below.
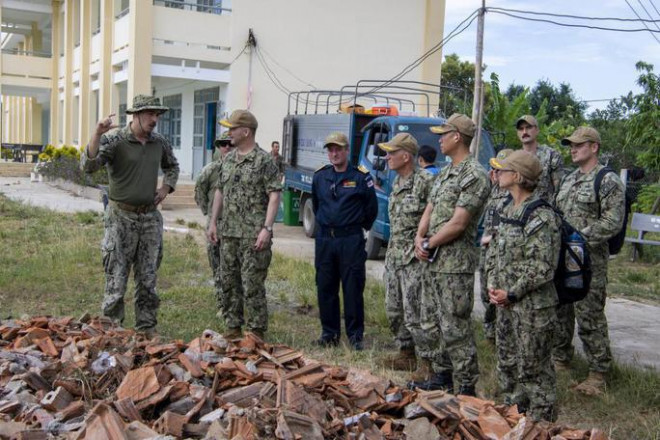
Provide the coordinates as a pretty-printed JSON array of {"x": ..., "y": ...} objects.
[
  {"x": 477, "y": 106},
  {"x": 252, "y": 42}
]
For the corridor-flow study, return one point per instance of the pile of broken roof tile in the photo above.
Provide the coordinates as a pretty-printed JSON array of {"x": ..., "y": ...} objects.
[{"x": 87, "y": 379}]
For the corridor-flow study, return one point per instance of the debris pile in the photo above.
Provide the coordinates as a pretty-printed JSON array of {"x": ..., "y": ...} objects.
[{"x": 87, "y": 379}]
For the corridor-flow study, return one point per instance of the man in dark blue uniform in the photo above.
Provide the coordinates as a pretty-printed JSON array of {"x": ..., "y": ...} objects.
[{"x": 345, "y": 205}]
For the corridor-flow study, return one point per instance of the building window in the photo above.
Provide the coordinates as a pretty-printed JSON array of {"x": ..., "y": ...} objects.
[
  {"x": 201, "y": 98},
  {"x": 212, "y": 6},
  {"x": 122, "y": 115},
  {"x": 169, "y": 124}
]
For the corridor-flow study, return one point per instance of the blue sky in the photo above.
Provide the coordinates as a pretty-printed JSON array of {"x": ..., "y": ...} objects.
[{"x": 597, "y": 64}]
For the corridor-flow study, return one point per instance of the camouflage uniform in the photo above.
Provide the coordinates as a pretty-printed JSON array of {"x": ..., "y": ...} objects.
[
  {"x": 578, "y": 201},
  {"x": 204, "y": 194},
  {"x": 245, "y": 183},
  {"x": 448, "y": 282},
  {"x": 553, "y": 171},
  {"x": 495, "y": 203},
  {"x": 407, "y": 202},
  {"x": 132, "y": 238},
  {"x": 522, "y": 260}
]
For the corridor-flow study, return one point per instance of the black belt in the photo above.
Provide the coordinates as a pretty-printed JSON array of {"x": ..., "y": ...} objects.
[
  {"x": 138, "y": 209},
  {"x": 339, "y": 231}
]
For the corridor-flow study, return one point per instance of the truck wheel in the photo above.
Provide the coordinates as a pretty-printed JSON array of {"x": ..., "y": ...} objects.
[
  {"x": 373, "y": 246},
  {"x": 308, "y": 218}
]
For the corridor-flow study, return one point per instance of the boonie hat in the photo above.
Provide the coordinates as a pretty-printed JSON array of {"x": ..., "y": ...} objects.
[
  {"x": 582, "y": 134},
  {"x": 240, "y": 118},
  {"x": 402, "y": 141},
  {"x": 223, "y": 140},
  {"x": 531, "y": 120},
  {"x": 457, "y": 122},
  {"x": 145, "y": 102},
  {"x": 495, "y": 162},
  {"x": 522, "y": 162},
  {"x": 336, "y": 138}
]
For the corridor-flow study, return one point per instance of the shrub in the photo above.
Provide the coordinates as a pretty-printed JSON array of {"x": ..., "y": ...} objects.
[
  {"x": 646, "y": 198},
  {"x": 64, "y": 163}
]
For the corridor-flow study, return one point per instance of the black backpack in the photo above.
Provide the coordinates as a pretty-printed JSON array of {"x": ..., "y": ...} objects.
[
  {"x": 615, "y": 243},
  {"x": 564, "y": 278}
]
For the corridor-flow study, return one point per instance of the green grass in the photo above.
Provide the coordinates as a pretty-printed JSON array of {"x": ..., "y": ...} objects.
[{"x": 50, "y": 264}]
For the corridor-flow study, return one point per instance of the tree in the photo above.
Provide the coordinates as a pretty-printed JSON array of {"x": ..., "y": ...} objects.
[
  {"x": 458, "y": 77},
  {"x": 611, "y": 124},
  {"x": 561, "y": 102},
  {"x": 643, "y": 126},
  {"x": 503, "y": 112}
]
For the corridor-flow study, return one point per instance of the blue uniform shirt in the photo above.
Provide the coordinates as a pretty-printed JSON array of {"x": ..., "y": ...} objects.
[{"x": 344, "y": 199}]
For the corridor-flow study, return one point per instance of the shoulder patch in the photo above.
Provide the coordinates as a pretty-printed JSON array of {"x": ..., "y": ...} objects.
[
  {"x": 534, "y": 225},
  {"x": 363, "y": 169},
  {"x": 323, "y": 167},
  {"x": 468, "y": 180}
]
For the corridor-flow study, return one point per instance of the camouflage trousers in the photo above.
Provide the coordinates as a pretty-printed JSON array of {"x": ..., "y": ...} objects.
[
  {"x": 490, "y": 310},
  {"x": 213, "y": 253},
  {"x": 402, "y": 284},
  {"x": 592, "y": 325},
  {"x": 452, "y": 298},
  {"x": 132, "y": 240},
  {"x": 525, "y": 373},
  {"x": 244, "y": 273}
]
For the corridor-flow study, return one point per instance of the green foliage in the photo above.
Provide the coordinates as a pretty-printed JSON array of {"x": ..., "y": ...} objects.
[
  {"x": 643, "y": 126},
  {"x": 504, "y": 111},
  {"x": 51, "y": 152},
  {"x": 64, "y": 163},
  {"x": 560, "y": 102},
  {"x": 646, "y": 198}
]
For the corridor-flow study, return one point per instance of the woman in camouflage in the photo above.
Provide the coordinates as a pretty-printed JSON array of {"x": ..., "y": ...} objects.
[{"x": 523, "y": 257}]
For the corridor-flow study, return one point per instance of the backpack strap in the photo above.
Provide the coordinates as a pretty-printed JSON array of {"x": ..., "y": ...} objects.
[{"x": 527, "y": 213}]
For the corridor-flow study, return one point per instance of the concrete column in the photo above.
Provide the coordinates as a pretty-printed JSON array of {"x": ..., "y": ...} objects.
[
  {"x": 20, "y": 119},
  {"x": 37, "y": 38},
  {"x": 36, "y": 118},
  {"x": 105, "y": 60},
  {"x": 54, "y": 87},
  {"x": 85, "y": 59},
  {"x": 67, "y": 113},
  {"x": 434, "y": 27},
  {"x": 140, "y": 48}
]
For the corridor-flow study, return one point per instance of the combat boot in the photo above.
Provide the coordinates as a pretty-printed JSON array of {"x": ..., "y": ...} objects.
[
  {"x": 594, "y": 385},
  {"x": 423, "y": 371},
  {"x": 436, "y": 381},
  {"x": 467, "y": 390},
  {"x": 404, "y": 360},
  {"x": 233, "y": 333}
]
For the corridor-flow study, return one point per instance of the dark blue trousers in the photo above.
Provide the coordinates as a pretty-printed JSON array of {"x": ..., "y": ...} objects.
[{"x": 341, "y": 259}]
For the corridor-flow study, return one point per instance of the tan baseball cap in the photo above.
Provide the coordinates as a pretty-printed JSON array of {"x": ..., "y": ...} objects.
[
  {"x": 531, "y": 120},
  {"x": 582, "y": 134},
  {"x": 495, "y": 162},
  {"x": 457, "y": 122},
  {"x": 402, "y": 141},
  {"x": 240, "y": 118},
  {"x": 521, "y": 161},
  {"x": 336, "y": 138}
]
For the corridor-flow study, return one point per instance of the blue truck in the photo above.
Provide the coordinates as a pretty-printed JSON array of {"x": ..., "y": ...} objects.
[{"x": 302, "y": 149}]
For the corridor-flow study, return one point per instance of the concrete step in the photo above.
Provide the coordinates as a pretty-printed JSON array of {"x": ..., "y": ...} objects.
[
  {"x": 15, "y": 169},
  {"x": 182, "y": 198}
]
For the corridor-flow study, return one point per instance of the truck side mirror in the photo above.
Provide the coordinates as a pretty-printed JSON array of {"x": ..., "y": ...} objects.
[{"x": 379, "y": 164}]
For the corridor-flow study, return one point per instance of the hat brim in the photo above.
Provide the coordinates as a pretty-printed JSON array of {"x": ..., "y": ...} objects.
[
  {"x": 225, "y": 123},
  {"x": 442, "y": 129},
  {"x": 158, "y": 108},
  {"x": 573, "y": 140},
  {"x": 496, "y": 164},
  {"x": 388, "y": 147},
  {"x": 335, "y": 143}
]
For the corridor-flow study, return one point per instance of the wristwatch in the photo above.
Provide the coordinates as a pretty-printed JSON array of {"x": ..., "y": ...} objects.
[
  {"x": 268, "y": 228},
  {"x": 511, "y": 297}
]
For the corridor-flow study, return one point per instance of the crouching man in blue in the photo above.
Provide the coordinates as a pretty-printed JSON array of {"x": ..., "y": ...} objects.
[{"x": 345, "y": 205}]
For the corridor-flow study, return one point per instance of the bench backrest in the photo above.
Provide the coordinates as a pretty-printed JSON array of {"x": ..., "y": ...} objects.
[{"x": 645, "y": 222}]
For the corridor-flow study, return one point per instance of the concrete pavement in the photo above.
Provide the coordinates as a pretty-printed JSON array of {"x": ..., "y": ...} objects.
[{"x": 634, "y": 327}]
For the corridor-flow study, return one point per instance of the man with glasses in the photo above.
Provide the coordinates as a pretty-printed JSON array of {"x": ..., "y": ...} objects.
[
  {"x": 345, "y": 205},
  {"x": 204, "y": 194},
  {"x": 527, "y": 128},
  {"x": 447, "y": 231},
  {"x": 247, "y": 196},
  {"x": 598, "y": 217}
]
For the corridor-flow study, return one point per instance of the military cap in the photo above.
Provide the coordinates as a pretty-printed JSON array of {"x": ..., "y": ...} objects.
[
  {"x": 240, "y": 118},
  {"x": 582, "y": 134},
  {"x": 402, "y": 141},
  {"x": 522, "y": 162},
  {"x": 531, "y": 120},
  {"x": 457, "y": 122},
  {"x": 222, "y": 140},
  {"x": 501, "y": 155},
  {"x": 336, "y": 138},
  {"x": 144, "y": 102}
]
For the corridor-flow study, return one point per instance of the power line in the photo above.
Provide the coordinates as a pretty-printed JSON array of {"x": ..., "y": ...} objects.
[
  {"x": 601, "y": 28},
  {"x": 647, "y": 13},
  {"x": 648, "y": 28},
  {"x": 285, "y": 69},
  {"x": 653, "y": 4},
  {"x": 579, "y": 17}
]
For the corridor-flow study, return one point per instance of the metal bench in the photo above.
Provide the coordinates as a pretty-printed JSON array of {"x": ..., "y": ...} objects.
[{"x": 643, "y": 223}]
